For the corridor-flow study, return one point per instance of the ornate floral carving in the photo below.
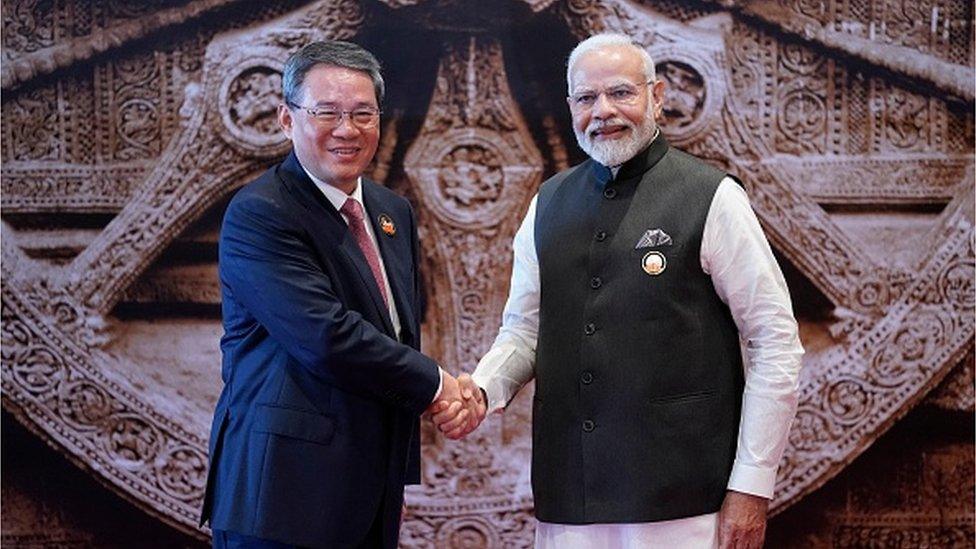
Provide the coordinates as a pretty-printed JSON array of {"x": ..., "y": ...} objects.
[
  {"x": 84, "y": 404},
  {"x": 887, "y": 536},
  {"x": 158, "y": 137},
  {"x": 466, "y": 164},
  {"x": 182, "y": 472},
  {"x": 686, "y": 93},
  {"x": 848, "y": 400},
  {"x": 32, "y": 122},
  {"x": 905, "y": 118},
  {"x": 862, "y": 32},
  {"x": 131, "y": 440},
  {"x": 135, "y": 108},
  {"x": 250, "y": 100},
  {"x": 931, "y": 179},
  {"x": 468, "y": 532},
  {"x": 956, "y": 284},
  {"x": 694, "y": 92},
  {"x": 473, "y": 164},
  {"x": 27, "y": 26},
  {"x": 802, "y": 117},
  {"x": 68, "y": 188}
]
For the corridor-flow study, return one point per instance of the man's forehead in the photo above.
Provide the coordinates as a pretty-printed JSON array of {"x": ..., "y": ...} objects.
[
  {"x": 331, "y": 84},
  {"x": 608, "y": 66}
]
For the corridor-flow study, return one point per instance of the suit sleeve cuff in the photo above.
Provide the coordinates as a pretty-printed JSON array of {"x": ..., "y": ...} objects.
[
  {"x": 440, "y": 384},
  {"x": 749, "y": 479}
]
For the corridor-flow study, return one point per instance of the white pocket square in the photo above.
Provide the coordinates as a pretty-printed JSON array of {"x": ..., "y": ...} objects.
[{"x": 652, "y": 238}]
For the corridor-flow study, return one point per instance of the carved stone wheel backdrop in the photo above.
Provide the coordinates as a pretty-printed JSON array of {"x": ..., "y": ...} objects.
[{"x": 850, "y": 122}]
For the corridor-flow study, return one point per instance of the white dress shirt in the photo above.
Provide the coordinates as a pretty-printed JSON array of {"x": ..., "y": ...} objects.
[
  {"x": 338, "y": 198},
  {"x": 735, "y": 253}
]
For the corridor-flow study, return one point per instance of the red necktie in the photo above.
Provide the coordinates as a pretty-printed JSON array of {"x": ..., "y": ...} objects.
[{"x": 354, "y": 212}]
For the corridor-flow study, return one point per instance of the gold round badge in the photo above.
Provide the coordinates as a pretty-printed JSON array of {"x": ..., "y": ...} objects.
[
  {"x": 654, "y": 263},
  {"x": 386, "y": 224}
]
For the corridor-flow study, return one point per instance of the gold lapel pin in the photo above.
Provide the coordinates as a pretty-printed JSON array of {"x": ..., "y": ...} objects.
[
  {"x": 654, "y": 263},
  {"x": 387, "y": 225}
]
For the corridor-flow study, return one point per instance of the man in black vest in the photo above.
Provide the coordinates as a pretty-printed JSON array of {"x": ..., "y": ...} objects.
[{"x": 641, "y": 277}]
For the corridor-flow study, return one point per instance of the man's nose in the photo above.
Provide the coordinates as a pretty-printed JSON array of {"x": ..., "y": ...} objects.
[
  {"x": 603, "y": 108},
  {"x": 345, "y": 128}
]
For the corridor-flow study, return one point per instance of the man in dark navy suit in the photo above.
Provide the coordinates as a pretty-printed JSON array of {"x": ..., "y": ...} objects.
[{"x": 316, "y": 430}]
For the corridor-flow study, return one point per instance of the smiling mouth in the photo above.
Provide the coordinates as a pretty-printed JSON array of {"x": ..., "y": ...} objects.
[
  {"x": 344, "y": 152},
  {"x": 608, "y": 132}
]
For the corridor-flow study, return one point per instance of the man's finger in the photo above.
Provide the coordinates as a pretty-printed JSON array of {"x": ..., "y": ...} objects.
[
  {"x": 460, "y": 432},
  {"x": 460, "y": 419},
  {"x": 467, "y": 386},
  {"x": 438, "y": 406},
  {"x": 448, "y": 414}
]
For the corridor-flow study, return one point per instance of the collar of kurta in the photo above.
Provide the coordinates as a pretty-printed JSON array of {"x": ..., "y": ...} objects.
[{"x": 644, "y": 160}]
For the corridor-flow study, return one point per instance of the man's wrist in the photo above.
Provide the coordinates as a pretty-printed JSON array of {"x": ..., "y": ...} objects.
[{"x": 440, "y": 384}]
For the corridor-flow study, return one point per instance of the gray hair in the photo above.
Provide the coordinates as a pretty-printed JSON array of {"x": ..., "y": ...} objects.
[
  {"x": 334, "y": 53},
  {"x": 603, "y": 40}
]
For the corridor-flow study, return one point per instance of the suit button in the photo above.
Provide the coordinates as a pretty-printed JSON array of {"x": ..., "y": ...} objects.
[
  {"x": 610, "y": 193},
  {"x": 589, "y": 329},
  {"x": 588, "y": 425},
  {"x": 595, "y": 282},
  {"x": 601, "y": 236},
  {"x": 586, "y": 378}
]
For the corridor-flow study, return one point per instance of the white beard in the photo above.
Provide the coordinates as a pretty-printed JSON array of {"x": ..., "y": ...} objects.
[{"x": 616, "y": 152}]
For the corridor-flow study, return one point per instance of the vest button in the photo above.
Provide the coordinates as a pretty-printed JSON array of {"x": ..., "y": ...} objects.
[
  {"x": 609, "y": 193},
  {"x": 601, "y": 236},
  {"x": 588, "y": 425},
  {"x": 595, "y": 282},
  {"x": 586, "y": 378},
  {"x": 589, "y": 329}
]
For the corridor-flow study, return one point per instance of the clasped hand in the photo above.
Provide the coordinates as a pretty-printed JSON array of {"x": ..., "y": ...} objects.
[{"x": 460, "y": 408}]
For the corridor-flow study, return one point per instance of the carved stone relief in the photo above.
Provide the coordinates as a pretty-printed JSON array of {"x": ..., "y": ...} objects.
[
  {"x": 473, "y": 164},
  {"x": 116, "y": 168}
]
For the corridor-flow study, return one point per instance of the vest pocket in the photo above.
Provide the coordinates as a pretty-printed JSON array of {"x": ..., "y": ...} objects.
[{"x": 292, "y": 423}]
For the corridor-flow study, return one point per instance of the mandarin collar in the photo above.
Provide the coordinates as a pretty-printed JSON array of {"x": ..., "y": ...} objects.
[{"x": 644, "y": 160}]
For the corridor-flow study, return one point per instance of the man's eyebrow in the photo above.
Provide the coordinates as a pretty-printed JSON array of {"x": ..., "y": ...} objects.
[{"x": 335, "y": 104}]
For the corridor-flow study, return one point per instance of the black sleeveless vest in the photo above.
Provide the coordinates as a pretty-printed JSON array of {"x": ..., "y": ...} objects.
[{"x": 638, "y": 367}]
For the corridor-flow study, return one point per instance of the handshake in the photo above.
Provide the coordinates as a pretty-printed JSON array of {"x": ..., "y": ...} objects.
[{"x": 460, "y": 408}]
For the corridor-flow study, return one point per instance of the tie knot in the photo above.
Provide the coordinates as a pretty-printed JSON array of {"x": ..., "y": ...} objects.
[{"x": 352, "y": 209}]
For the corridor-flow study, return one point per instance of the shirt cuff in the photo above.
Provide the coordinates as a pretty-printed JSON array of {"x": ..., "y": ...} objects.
[
  {"x": 494, "y": 399},
  {"x": 440, "y": 384},
  {"x": 749, "y": 479}
]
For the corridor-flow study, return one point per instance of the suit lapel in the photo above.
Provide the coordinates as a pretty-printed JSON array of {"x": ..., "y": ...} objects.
[
  {"x": 334, "y": 226},
  {"x": 399, "y": 267}
]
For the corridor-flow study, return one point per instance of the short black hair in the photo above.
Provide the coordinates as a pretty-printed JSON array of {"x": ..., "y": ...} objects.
[{"x": 335, "y": 53}]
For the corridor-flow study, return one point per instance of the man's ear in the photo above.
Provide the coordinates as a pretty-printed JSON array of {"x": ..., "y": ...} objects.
[
  {"x": 285, "y": 120},
  {"x": 657, "y": 94}
]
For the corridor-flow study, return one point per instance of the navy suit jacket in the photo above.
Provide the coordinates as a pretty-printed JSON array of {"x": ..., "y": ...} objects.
[{"x": 316, "y": 430}]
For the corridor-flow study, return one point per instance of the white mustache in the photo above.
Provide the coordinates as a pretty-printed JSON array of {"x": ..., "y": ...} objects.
[{"x": 600, "y": 124}]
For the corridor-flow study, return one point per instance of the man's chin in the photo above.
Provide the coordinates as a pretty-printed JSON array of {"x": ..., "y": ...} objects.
[
  {"x": 613, "y": 152},
  {"x": 611, "y": 156}
]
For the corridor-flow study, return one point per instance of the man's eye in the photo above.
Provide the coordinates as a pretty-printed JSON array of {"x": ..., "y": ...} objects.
[
  {"x": 585, "y": 99},
  {"x": 327, "y": 115},
  {"x": 363, "y": 116},
  {"x": 621, "y": 94}
]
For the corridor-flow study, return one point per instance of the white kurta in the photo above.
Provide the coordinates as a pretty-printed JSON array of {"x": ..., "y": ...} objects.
[{"x": 735, "y": 253}]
